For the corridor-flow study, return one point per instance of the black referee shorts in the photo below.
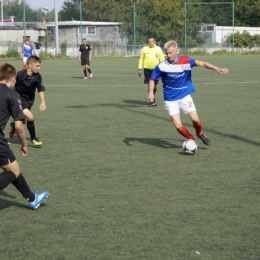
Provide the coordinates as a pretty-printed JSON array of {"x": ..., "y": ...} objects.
[
  {"x": 147, "y": 76},
  {"x": 6, "y": 153},
  {"x": 26, "y": 104},
  {"x": 84, "y": 61}
]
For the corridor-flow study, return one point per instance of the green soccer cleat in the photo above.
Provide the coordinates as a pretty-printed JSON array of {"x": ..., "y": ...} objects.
[{"x": 36, "y": 141}]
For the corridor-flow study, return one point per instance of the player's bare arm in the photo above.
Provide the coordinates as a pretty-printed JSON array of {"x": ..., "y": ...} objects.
[
  {"x": 42, "y": 105},
  {"x": 21, "y": 135},
  {"x": 79, "y": 57},
  {"x": 151, "y": 88},
  {"x": 208, "y": 65},
  {"x": 90, "y": 55},
  {"x": 139, "y": 72}
]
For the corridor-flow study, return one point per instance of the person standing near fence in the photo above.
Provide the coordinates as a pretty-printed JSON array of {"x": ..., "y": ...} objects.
[
  {"x": 85, "y": 57},
  {"x": 10, "y": 105},
  {"x": 27, "y": 52},
  {"x": 150, "y": 57},
  {"x": 37, "y": 48}
]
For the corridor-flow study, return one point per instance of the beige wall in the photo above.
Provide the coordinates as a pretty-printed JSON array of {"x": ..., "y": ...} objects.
[{"x": 17, "y": 35}]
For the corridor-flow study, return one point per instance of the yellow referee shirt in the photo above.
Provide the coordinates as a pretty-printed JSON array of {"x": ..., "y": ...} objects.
[{"x": 150, "y": 57}]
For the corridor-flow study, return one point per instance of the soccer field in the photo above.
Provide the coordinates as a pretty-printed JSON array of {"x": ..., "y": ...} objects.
[{"x": 121, "y": 187}]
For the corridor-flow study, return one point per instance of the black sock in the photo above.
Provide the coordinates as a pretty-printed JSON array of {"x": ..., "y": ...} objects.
[
  {"x": 6, "y": 178},
  {"x": 21, "y": 185},
  {"x": 85, "y": 73},
  {"x": 31, "y": 129},
  {"x": 89, "y": 70},
  {"x": 154, "y": 90}
]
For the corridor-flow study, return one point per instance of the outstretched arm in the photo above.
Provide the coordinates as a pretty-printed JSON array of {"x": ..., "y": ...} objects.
[{"x": 208, "y": 65}]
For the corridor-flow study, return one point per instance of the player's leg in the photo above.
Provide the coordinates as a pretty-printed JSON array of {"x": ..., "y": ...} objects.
[
  {"x": 173, "y": 109},
  {"x": 84, "y": 69},
  {"x": 88, "y": 68},
  {"x": 197, "y": 123},
  {"x": 31, "y": 127},
  {"x": 12, "y": 174},
  {"x": 147, "y": 76},
  {"x": 24, "y": 62}
]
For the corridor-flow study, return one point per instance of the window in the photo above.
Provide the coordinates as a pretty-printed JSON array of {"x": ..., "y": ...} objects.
[
  {"x": 91, "y": 30},
  {"x": 88, "y": 30},
  {"x": 210, "y": 28}
]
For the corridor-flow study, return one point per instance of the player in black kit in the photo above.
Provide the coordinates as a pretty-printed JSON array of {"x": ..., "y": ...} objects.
[
  {"x": 85, "y": 56},
  {"x": 27, "y": 82},
  {"x": 10, "y": 105}
]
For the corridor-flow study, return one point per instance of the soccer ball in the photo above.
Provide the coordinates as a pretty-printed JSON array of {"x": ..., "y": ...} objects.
[{"x": 189, "y": 146}]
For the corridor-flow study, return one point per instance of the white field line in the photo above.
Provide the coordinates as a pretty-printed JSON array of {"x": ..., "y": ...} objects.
[{"x": 125, "y": 85}]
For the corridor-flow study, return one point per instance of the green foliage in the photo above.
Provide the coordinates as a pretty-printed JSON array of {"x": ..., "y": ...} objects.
[
  {"x": 12, "y": 51},
  {"x": 63, "y": 48},
  {"x": 16, "y": 7},
  {"x": 244, "y": 39}
]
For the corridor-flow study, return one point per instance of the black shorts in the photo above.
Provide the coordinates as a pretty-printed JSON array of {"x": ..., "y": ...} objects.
[
  {"x": 147, "y": 76},
  {"x": 27, "y": 104},
  {"x": 84, "y": 61},
  {"x": 6, "y": 154}
]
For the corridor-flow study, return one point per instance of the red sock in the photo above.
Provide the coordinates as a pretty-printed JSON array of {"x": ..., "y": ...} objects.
[
  {"x": 198, "y": 128},
  {"x": 184, "y": 131}
]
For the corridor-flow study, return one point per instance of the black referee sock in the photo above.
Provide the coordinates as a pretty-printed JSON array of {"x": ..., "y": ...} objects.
[
  {"x": 31, "y": 129},
  {"x": 85, "y": 73},
  {"x": 21, "y": 185},
  {"x": 89, "y": 70},
  {"x": 6, "y": 178}
]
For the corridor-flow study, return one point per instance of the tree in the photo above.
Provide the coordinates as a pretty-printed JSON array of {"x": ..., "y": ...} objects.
[{"x": 15, "y": 8}]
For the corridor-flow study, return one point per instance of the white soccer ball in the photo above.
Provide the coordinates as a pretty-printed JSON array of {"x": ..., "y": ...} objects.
[{"x": 189, "y": 146}]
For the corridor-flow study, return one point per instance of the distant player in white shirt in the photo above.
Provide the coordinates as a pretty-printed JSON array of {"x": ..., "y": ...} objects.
[
  {"x": 175, "y": 72},
  {"x": 28, "y": 50}
]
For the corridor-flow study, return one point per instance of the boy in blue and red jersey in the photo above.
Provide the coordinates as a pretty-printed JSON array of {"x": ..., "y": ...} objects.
[
  {"x": 28, "y": 50},
  {"x": 175, "y": 72}
]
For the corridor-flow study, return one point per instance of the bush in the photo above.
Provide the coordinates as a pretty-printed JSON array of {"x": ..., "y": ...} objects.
[{"x": 63, "y": 48}]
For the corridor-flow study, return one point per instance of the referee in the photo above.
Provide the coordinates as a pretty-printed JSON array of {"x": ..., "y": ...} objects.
[
  {"x": 150, "y": 57},
  {"x": 85, "y": 56}
]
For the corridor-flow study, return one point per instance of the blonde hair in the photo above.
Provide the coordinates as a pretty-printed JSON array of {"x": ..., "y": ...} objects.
[{"x": 170, "y": 44}]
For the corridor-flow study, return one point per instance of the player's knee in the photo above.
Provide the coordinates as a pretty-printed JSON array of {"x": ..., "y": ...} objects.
[{"x": 30, "y": 118}]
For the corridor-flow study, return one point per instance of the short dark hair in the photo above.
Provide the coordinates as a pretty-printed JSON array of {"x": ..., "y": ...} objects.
[
  {"x": 84, "y": 39},
  {"x": 33, "y": 59},
  {"x": 7, "y": 72},
  {"x": 150, "y": 37}
]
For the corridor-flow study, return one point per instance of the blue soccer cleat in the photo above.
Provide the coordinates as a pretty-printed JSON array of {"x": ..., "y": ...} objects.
[{"x": 39, "y": 197}]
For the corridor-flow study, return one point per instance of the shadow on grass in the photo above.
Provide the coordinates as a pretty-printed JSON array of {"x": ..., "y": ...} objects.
[
  {"x": 15, "y": 140},
  {"x": 6, "y": 204},
  {"x": 136, "y": 102},
  {"x": 3, "y": 193},
  {"x": 151, "y": 141},
  {"x": 78, "y": 77}
]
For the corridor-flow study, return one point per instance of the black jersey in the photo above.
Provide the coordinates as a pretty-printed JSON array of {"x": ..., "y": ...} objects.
[
  {"x": 10, "y": 105},
  {"x": 26, "y": 85},
  {"x": 84, "y": 49},
  {"x": 37, "y": 45}
]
